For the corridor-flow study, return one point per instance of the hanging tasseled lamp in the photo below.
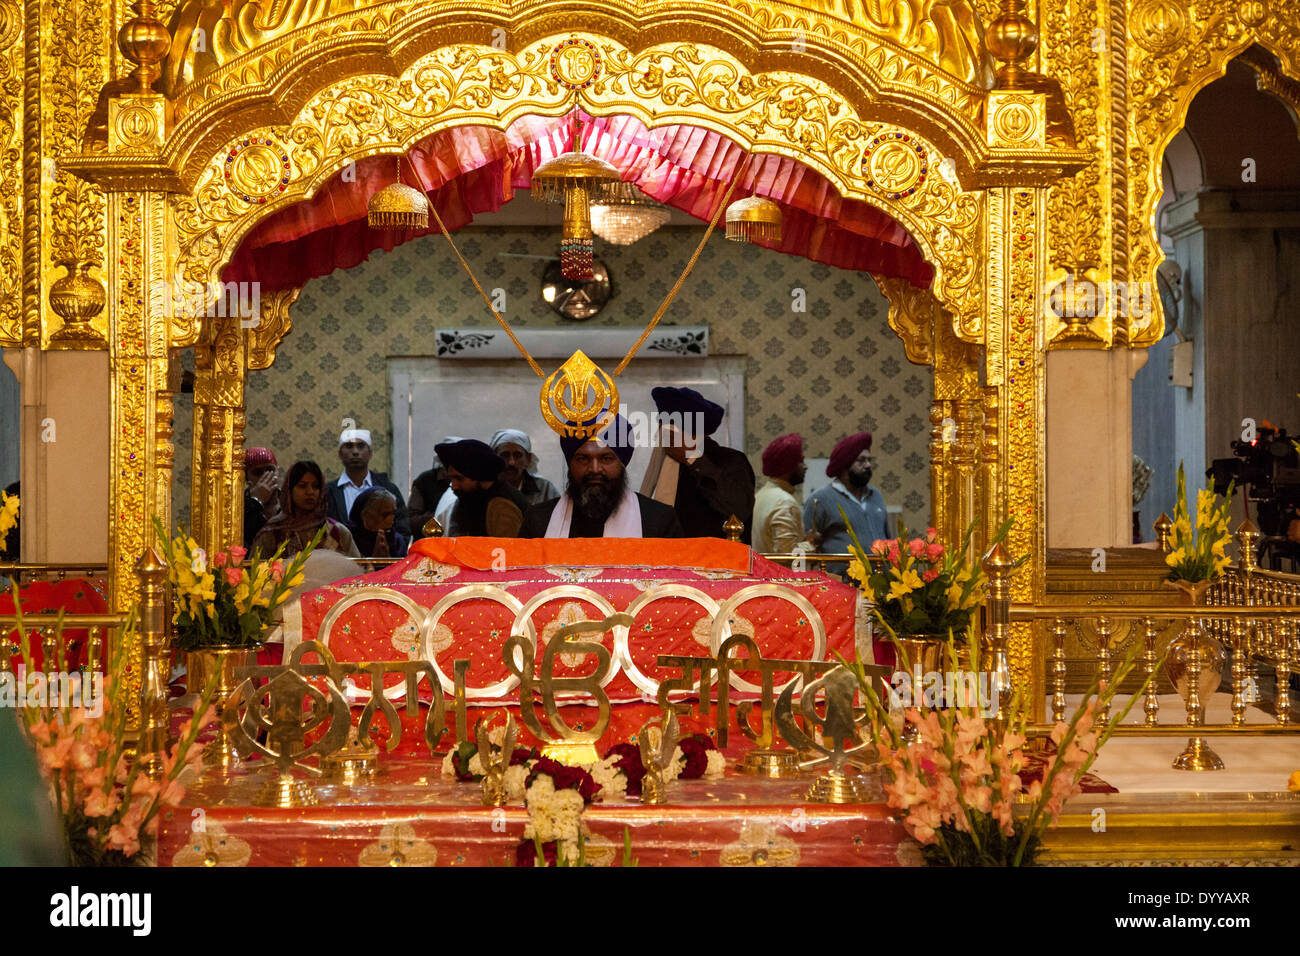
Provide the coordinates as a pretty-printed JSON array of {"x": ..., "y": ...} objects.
[
  {"x": 754, "y": 218},
  {"x": 576, "y": 179},
  {"x": 398, "y": 206},
  {"x": 627, "y": 215}
]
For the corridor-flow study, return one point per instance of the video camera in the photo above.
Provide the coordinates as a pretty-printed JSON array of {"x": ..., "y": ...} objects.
[{"x": 1270, "y": 466}]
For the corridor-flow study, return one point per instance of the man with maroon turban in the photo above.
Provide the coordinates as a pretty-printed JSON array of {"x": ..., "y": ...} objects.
[
  {"x": 851, "y": 491},
  {"x": 261, "y": 491},
  {"x": 778, "y": 519}
]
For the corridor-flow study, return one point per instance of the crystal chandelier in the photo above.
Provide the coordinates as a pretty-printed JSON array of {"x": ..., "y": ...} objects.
[{"x": 627, "y": 215}]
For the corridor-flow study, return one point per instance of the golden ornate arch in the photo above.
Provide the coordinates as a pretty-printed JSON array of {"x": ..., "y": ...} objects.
[{"x": 893, "y": 169}]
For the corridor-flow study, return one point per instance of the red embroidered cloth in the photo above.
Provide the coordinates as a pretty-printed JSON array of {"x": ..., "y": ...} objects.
[
  {"x": 74, "y": 595},
  {"x": 462, "y": 599}
]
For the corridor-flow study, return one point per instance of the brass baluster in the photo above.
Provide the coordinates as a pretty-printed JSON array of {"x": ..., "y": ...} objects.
[
  {"x": 1282, "y": 698},
  {"x": 1058, "y": 670},
  {"x": 1195, "y": 711},
  {"x": 1152, "y": 705},
  {"x": 1238, "y": 648},
  {"x": 1247, "y": 539},
  {"x": 1105, "y": 666},
  {"x": 997, "y": 571},
  {"x": 152, "y": 741}
]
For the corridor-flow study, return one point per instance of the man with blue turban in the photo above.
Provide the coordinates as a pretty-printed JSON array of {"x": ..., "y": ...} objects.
[
  {"x": 597, "y": 502},
  {"x": 704, "y": 482}
]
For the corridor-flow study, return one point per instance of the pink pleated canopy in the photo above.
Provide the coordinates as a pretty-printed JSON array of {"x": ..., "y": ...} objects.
[{"x": 473, "y": 169}]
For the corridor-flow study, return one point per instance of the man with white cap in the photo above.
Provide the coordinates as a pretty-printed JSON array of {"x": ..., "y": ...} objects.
[
  {"x": 354, "y": 453},
  {"x": 516, "y": 450}
]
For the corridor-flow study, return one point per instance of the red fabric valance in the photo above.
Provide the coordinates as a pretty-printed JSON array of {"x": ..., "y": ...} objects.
[{"x": 474, "y": 169}]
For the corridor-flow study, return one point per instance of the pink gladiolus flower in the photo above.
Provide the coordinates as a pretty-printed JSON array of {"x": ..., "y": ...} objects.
[
  {"x": 934, "y": 551},
  {"x": 124, "y": 838},
  {"x": 40, "y": 731},
  {"x": 219, "y": 559},
  {"x": 879, "y": 547},
  {"x": 100, "y": 804},
  {"x": 928, "y": 576},
  {"x": 893, "y": 552},
  {"x": 931, "y": 535},
  {"x": 917, "y": 547},
  {"x": 277, "y": 571},
  {"x": 237, "y": 554},
  {"x": 234, "y": 576}
]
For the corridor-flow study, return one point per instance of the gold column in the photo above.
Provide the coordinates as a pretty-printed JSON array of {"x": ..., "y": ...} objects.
[
  {"x": 1016, "y": 370},
  {"x": 217, "y": 489}
]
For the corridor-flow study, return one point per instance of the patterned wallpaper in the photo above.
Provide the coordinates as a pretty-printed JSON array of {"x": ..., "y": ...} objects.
[{"x": 825, "y": 372}]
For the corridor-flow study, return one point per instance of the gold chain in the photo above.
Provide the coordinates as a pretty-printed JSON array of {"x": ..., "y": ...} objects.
[{"x": 654, "y": 321}]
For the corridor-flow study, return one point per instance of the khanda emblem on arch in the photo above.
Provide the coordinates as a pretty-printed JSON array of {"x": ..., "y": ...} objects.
[{"x": 579, "y": 391}]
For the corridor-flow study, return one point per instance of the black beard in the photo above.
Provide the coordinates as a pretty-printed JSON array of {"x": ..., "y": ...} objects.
[
  {"x": 859, "y": 481},
  {"x": 471, "y": 495},
  {"x": 596, "y": 501}
]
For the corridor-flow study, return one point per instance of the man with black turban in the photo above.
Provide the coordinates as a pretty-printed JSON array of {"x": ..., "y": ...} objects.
[
  {"x": 597, "y": 502},
  {"x": 485, "y": 505},
  {"x": 704, "y": 483}
]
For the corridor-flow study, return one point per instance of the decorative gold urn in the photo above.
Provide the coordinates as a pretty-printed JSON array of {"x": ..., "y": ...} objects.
[
  {"x": 1194, "y": 665},
  {"x": 918, "y": 655},
  {"x": 222, "y": 661}
]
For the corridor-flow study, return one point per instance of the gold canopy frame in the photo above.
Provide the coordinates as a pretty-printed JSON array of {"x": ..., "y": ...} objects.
[{"x": 1007, "y": 185}]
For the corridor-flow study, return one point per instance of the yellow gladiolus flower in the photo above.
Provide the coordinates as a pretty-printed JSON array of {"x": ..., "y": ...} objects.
[{"x": 908, "y": 582}]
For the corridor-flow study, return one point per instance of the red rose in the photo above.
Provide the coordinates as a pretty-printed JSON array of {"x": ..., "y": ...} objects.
[
  {"x": 566, "y": 778},
  {"x": 522, "y": 755},
  {"x": 629, "y": 762},
  {"x": 526, "y": 853},
  {"x": 695, "y": 749}
]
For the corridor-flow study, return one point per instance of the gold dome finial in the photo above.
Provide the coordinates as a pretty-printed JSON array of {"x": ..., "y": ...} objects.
[
  {"x": 76, "y": 299},
  {"x": 145, "y": 41},
  {"x": 1012, "y": 38}
]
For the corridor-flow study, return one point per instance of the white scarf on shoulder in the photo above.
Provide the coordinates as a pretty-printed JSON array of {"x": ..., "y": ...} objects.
[{"x": 625, "y": 522}]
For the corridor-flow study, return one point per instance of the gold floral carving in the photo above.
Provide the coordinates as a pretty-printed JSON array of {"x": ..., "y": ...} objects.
[
  {"x": 73, "y": 52},
  {"x": 1177, "y": 50},
  {"x": 12, "y": 128},
  {"x": 266, "y": 336},
  {"x": 680, "y": 83},
  {"x": 1023, "y": 416},
  {"x": 1082, "y": 54}
]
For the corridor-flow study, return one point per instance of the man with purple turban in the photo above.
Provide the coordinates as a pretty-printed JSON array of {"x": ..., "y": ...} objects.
[
  {"x": 778, "y": 518},
  {"x": 597, "y": 502},
  {"x": 704, "y": 482},
  {"x": 850, "y": 490}
]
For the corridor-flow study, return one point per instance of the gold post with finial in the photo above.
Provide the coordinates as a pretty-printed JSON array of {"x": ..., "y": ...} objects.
[
  {"x": 144, "y": 40},
  {"x": 1164, "y": 527},
  {"x": 734, "y": 528},
  {"x": 997, "y": 569},
  {"x": 152, "y": 741},
  {"x": 1248, "y": 540},
  {"x": 432, "y": 528},
  {"x": 1012, "y": 38}
]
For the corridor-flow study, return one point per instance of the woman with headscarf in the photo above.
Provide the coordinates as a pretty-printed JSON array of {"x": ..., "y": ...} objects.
[
  {"x": 371, "y": 523},
  {"x": 302, "y": 512}
]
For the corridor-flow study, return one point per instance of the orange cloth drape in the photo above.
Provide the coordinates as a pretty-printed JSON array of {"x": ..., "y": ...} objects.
[{"x": 485, "y": 554}]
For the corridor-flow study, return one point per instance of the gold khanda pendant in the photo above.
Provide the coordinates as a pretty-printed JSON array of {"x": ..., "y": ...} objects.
[{"x": 579, "y": 391}]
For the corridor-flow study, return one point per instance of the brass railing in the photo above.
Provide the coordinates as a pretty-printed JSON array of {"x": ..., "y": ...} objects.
[
  {"x": 26, "y": 573},
  {"x": 1254, "y": 614}
]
